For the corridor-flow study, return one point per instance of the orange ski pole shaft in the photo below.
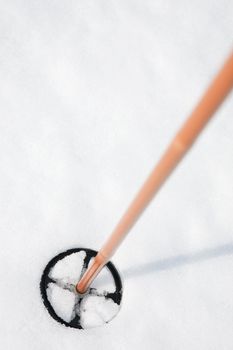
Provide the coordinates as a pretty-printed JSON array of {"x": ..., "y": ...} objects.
[{"x": 211, "y": 100}]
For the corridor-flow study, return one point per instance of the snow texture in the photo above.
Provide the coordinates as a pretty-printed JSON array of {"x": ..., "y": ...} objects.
[
  {"x": 62, "y": 301},
  {"x": 69, "y": 269},
  {"x": 104, "y": 281},
  {"x": 96, "y": 311},
  {"x": 91, "y": 92}
]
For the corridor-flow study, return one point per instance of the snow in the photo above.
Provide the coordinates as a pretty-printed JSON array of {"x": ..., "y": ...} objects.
[
  {"x": 69, "y": 268},
  {"x": 91, "y": 93},
  {"x": 96, "y": 311},
  {"x": 62, "y": 301},
  {"x": 104, "y": 281}
]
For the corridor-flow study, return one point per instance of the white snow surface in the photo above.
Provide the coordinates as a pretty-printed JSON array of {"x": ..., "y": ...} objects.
[
  {"x": 96, "y": 311},
  {"x": 62, "y": 301},
  {"x": 69, "y": 268},
  {"x": 90, "y": 94},
  {"x": 104, "y": 281}
]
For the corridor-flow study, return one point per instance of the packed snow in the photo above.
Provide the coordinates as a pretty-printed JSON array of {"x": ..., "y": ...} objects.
[
  {"x": 62, "y": 301},
  {"x": 91, "y": 92},
  {"x": 69, "y": 268},
  {"x": 104, "y": 281},
  {"x": 97, "y": 310}
]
